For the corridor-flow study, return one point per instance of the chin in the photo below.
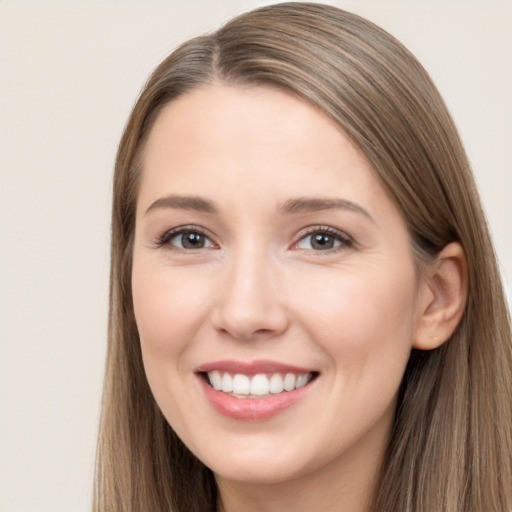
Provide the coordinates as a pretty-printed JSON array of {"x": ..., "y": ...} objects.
[
  {"x": 262, "y": 463},
  {"x": 267, "y": 472}
]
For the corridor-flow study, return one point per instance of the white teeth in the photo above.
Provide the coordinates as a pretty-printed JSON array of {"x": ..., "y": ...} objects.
[
  {"x": 260, "y": 385},
  {"x": 289, "y": 382},
  {"x": 215, "y": 380},
  {"x": 276, "y": 383},
  {"x": 302, "y": 380},
  {"x": 227, "y": 383},
  {"x": 241, "y": 385}
]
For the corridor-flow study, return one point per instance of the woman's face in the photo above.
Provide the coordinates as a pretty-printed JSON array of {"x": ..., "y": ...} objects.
[{"x": 270, "y": 264}]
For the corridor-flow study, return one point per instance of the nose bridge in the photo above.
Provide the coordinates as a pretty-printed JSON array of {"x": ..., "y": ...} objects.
[{"x": 250, "y": 304}]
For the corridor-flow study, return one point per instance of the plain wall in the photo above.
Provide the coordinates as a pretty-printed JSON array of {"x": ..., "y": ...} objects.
[{"x": 70, "y": 72}]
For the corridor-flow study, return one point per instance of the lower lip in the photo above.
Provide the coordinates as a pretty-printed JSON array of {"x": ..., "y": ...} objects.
[{"x": 255, "y": 409}]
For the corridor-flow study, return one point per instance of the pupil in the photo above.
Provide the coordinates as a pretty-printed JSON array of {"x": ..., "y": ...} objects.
[
  {"x": 192, "y": 240},
  {"x": 321, "y": 241}
]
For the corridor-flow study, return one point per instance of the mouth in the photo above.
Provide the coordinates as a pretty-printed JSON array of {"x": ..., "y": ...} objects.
[
  {"x": 257, "y": 390},
  {"x": 259, "y": 385}
]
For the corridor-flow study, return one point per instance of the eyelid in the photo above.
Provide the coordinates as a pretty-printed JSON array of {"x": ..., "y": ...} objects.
[
  {"x": 345, "y": 239},
  {"x": 164, "y": 239}
]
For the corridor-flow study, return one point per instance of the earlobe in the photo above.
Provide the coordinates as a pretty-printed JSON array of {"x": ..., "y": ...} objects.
[{"x": 443, "y": 304}]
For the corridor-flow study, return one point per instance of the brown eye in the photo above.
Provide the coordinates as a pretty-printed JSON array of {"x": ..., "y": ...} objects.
[
  {"x": 192, "y": 240},
  {"x": 320, "y": 241},
  {"x": 323, "y": 240},
  {"x": 187, "y": 240}
]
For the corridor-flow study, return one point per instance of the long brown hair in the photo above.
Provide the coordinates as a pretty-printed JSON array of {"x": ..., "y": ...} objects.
[{"x": 451, "y": 447}]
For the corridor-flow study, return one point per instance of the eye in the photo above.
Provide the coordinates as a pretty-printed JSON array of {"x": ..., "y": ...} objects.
[
  {"x": 324, "y": 239},
  {"x": 186, "y": 238}
]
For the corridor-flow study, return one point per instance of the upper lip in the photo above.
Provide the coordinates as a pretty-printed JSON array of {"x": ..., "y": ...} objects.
[{"x": 251, "y": 367}]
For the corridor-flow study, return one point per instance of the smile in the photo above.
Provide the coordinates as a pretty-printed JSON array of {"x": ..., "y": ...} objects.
[
  {"x": 260, "y": 385},
  {"x": 255, "y": 390}
]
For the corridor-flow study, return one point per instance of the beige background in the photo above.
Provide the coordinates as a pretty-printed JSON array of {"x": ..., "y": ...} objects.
[{"x": 70, "y": 71}]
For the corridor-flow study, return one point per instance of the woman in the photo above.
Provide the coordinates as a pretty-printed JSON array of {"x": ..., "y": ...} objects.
[{"x": 306, "y": 311}]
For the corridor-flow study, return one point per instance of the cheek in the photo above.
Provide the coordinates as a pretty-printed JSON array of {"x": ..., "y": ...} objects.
[
  {"x": 362, "y": 314},
  {"x": 365, "y": 327},
  {"x": 169, "y": 309},
  {"x": 168, "y": 314}
]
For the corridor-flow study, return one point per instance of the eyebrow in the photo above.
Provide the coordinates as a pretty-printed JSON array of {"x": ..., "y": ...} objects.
[
  {"x": 197, "y": 204},
  {"x": 291, "y": 206},
  {"x": 307, "y": 204}
]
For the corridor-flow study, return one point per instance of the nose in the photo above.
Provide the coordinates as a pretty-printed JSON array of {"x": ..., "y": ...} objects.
[{"x": 250, "y": 301}]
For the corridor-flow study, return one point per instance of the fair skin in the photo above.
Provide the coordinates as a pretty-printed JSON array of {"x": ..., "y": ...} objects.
[{"x": 262, "y": 234}]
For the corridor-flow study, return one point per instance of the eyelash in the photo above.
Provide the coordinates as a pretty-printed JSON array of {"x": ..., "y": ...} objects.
[
  {"x": 344, "y": 240},
  {"x": 165, "y": 239}
]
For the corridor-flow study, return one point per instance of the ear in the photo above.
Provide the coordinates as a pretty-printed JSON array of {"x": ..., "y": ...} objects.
[{"x": 442, "y": 298}]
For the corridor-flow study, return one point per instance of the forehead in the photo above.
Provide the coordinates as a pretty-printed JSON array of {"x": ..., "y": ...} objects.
[
  {"x": 211, "y": 116},
  {"x": 253, "y": 142}
]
